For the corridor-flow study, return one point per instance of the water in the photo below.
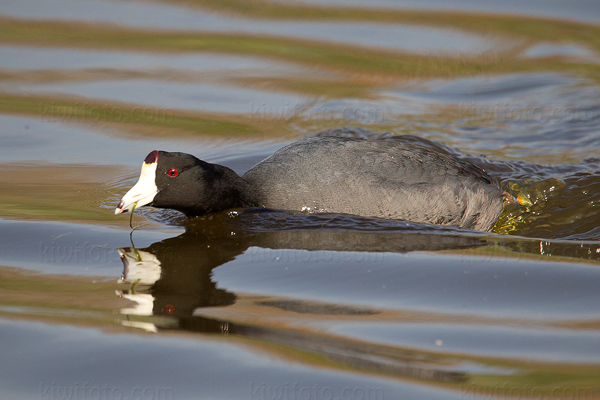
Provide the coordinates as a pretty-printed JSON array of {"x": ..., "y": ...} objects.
[
  {"x": 266, "y": 304},
  {"x": 158, "y": 16}
]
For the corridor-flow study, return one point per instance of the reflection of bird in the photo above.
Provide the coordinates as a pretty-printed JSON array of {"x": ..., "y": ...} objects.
[
  {"x": 386, "y": 178},
  {"x": 175, "y": 276},
  {"x": 175, "y": 273}
]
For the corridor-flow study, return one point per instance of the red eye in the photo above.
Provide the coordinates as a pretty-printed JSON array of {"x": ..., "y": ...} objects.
[{"x": 173, "y": 173}]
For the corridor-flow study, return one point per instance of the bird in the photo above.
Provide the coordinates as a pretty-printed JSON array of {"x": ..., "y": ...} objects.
[{"x": 381, "y": 178}]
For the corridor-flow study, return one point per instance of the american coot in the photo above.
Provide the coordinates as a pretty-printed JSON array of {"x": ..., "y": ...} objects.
[{"x": 373, "y": 178}]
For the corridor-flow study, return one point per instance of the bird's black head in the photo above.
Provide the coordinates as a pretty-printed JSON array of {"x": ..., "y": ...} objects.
[{"x": 182, "y": 182}]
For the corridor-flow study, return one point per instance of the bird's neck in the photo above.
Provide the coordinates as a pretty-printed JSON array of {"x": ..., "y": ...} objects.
[{"x": 228, "y": 191}]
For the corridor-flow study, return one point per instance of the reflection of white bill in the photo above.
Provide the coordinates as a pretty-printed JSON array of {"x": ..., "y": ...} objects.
[
  {"x": 144, "y": 303},
  {"x": 139, "y": 267},
  {"x": 147, "y": 326},
  {"x": 141, "y": 270}
]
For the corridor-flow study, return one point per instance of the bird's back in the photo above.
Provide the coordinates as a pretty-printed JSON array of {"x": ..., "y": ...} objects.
[{"x": 380, "y": 178}]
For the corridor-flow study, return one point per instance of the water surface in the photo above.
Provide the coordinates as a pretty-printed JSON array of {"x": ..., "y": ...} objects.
[{"x": 263, "y": 304}]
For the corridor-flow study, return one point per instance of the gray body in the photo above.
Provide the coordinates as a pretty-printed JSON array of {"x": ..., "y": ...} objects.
[{"x": 376, "y": 178}]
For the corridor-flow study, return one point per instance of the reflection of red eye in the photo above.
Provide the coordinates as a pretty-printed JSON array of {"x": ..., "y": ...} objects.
[
  {"x": 169, "y": 309},
  {"x": 173, "y": 173}
]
